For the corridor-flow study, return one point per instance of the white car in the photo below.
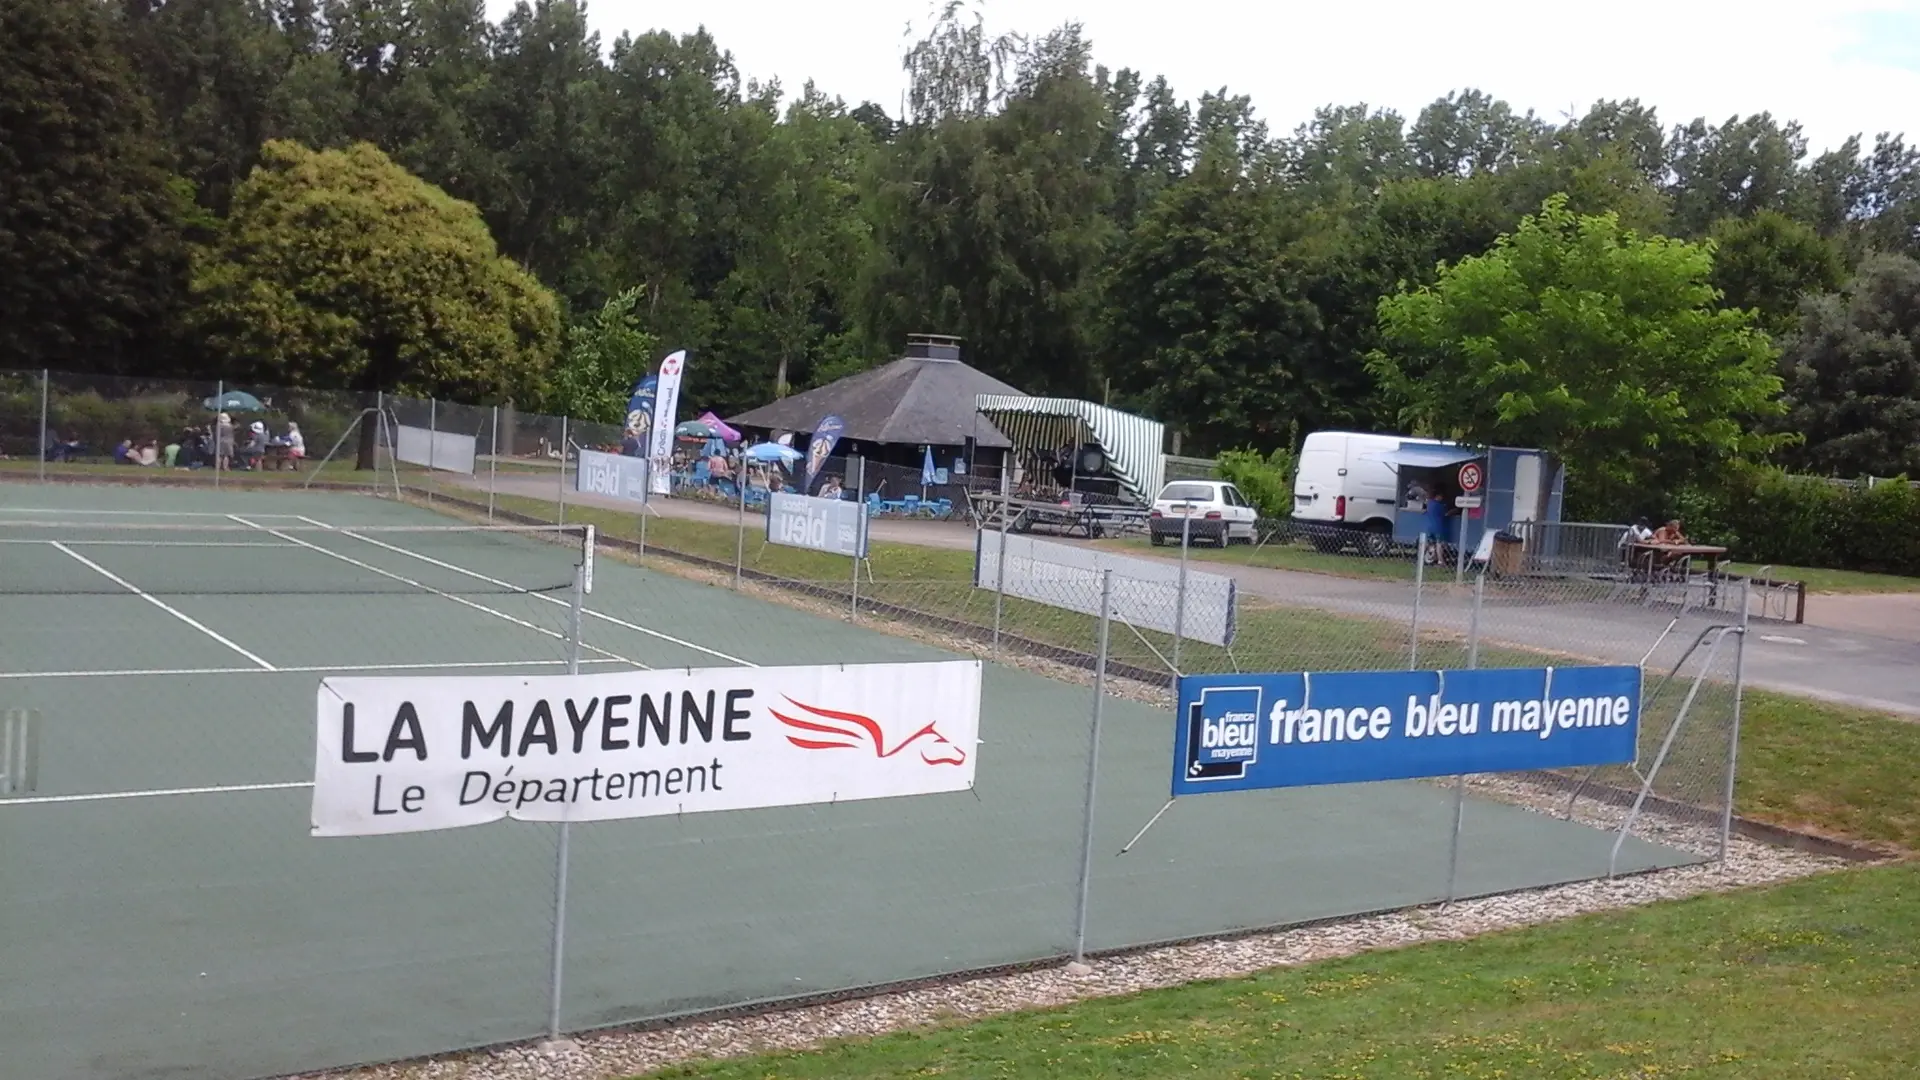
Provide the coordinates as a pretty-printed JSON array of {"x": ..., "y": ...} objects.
[{"x": 1206, "y": 511}]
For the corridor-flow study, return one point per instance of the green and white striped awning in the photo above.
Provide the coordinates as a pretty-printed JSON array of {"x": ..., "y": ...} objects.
[{"x": 1132, "y": 443}]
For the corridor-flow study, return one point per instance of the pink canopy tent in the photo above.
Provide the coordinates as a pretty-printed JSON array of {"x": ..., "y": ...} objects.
[{"x": 727, "y": 432}]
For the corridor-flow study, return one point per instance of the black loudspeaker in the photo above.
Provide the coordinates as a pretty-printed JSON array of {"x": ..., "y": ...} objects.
[{"x": 1092, "y": 460}]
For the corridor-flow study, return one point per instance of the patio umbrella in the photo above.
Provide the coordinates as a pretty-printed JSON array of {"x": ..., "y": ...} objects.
[
  {"x": 720, "y": 427},
  {"x": 696, "y": 429},
  {"x": 768, "y": 452},
  {"x": 233, "y": 401}
]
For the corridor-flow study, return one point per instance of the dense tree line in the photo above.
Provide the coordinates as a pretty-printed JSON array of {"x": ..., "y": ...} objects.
[{"x": 1089, "y": 232}]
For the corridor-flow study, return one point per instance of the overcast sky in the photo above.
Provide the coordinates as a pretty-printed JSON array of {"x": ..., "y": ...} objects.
[{"x": 1837, "y": 66}]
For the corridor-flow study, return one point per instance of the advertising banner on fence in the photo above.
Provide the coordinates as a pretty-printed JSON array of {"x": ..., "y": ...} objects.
[
  {"x": 613, "y": 475},
  {"x": 1145, "y": 591},
  {"x": 666, "y": 408},
  {"x": 442, "y": 451},
  {"x": 835, "y": 526},
  {"x": 637, "y": 439},
  {"x": 397, "y": 755},
  {"x": 1238, "y": 732},
  {"x": 825, "y": 435}
]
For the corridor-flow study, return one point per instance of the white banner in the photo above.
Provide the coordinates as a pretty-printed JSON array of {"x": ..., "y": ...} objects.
[
  {"x": 444, "y": 451},
  {"x": 835, "y": 526},
  {"x": 616, "y": 476},
  {"x": 666, "y": 407},
  {"x": 1146, "y": 592},
  {"x": 397, "y": 755}
]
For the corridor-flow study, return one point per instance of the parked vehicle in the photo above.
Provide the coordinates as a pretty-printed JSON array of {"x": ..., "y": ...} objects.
[
  {"x": 1342, "y": 496},
  {"x": 1206, "y": 511}
]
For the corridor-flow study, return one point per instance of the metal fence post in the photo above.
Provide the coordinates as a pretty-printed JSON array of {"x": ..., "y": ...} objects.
[
  {"x": 561, "y": 852},
  {"x": 433, "y": 433},
  {"x": 46, "y": 378},
  {"x": 1419, "y": 586},
  {"x": 1180, "y": 594},
  {"x": 1460, "y": 781},
  {"x": 740, "y": 531},
  {"x": 1000, "y": 581},
  {"x": 1093, "y": 769},
  {"x": 493, "y": 461},
  {"x": 565, "y": 441},
  {"x": 860, "y": 541},
  {"x": 1733, "y": 740}
]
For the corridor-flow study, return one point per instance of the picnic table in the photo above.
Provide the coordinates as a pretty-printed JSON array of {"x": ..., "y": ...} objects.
[{"x": 1651, "y": 561}]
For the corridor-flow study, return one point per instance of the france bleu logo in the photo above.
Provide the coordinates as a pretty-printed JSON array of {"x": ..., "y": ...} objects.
[{"x": 1223, "y": 733}]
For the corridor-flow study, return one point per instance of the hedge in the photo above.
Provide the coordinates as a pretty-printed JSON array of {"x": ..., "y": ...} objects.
[
  {"x": 99, "y": 422},
  {"x": 1770, "y": 517}
]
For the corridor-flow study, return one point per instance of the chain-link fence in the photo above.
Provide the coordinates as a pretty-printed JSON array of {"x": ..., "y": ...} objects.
[{"x": 158, "y": 878}]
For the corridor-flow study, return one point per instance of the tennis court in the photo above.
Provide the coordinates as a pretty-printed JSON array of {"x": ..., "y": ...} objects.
[{"x": 163, "y": 911}]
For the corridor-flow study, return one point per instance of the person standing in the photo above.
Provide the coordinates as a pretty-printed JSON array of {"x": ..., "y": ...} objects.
[{"x": 223, "y": 442}]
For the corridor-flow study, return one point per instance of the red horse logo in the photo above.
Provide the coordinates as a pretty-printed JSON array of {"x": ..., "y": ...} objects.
[{"x": 850, "y": 731}]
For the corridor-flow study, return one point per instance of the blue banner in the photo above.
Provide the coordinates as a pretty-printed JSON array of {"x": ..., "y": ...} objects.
[
  {"x": 825, "y": 435},
  {"x": 634, "y": 442},
  {"x": 1240, "y": 732}
]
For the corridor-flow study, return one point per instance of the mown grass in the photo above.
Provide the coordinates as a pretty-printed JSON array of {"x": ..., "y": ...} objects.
[
  {"x": 1830, "y": 769},
  {"x": 1831, "y": 581},
  {"x": 1818, "y": 978},
  {"x": 1287, "y": 555}
]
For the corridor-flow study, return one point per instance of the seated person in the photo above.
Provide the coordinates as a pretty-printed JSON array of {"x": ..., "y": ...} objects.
[
  {"x": 1637, "y": 533},
  {"x": 123, "y": 453},
  {"x": 831, "y": 489},
  {"x": 296, "y": 444},
  {"x": 148, "y": 454},
  {"x": 1669, "y": 535},
  {"x": 256, "y": 447}
]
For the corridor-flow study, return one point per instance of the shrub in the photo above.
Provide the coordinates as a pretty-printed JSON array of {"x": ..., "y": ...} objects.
[
  {"x": 1267, "y": 482},
  {"x": 1767, "y": 516}
]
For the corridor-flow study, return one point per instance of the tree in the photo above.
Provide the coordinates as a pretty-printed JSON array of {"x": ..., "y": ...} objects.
[
  {"x": 1212, "y": 330},
  {"x": 605, "y": 357},
  {"x": 1853, "y": 375},
  {"x": 339, "y": 268},
  {"x": 1767, "y": 262},
  {"x": 92, "y": 262},
  {"x": 1582, "y": 338},
  {"x": 1740, "y": 168}
]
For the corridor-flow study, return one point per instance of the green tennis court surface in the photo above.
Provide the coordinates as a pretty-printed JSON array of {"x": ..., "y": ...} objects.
[{"x": 164, "y": 913}]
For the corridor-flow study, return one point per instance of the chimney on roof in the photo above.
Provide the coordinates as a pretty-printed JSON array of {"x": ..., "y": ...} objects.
[{"x": 933, "y": 347}]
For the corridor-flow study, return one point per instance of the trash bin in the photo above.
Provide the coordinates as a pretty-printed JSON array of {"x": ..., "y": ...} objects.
[{"x": 1509, "y": 554}]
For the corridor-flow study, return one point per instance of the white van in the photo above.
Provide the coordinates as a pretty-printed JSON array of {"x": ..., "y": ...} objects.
[{"x": 1343, "y": 496}]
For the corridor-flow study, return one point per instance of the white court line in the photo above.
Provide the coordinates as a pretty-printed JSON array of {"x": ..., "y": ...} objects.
[
  {"x": 538, "y": 596},
  {"x": 175, "y": 612},
  {"x": 124, "y": 513},
  {"x": 146, "y": 543},
  {"x": 309, "y": 669},
  {"x": 111, "y": 796},
  {"x": 461, "y": 600}
]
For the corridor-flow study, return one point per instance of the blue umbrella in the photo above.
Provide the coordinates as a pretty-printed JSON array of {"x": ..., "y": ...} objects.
[
  {"x": 771, "y": 452},
  {"x": 926, "y": 469}
]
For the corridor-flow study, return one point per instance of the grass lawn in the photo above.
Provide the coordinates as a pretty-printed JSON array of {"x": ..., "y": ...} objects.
[
  {"x": 1830, "y": 769},
  {"x": 1283, "y": 556},
  {"x": 1832, "y": 581},
  {"x": 1818, "y": 978}
]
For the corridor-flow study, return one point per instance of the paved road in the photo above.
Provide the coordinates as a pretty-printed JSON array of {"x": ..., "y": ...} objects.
[{"x": 1862, "y": 651}]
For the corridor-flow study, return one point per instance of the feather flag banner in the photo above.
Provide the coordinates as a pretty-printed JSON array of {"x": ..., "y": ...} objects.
[{"x": 404, "y": 754}]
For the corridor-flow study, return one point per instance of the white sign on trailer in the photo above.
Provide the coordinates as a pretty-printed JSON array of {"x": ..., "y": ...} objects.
[
  {"x": 400, "y": 755},
  {"x": 1146, "y": 592},
  {"x": 835, "y": 526}
]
